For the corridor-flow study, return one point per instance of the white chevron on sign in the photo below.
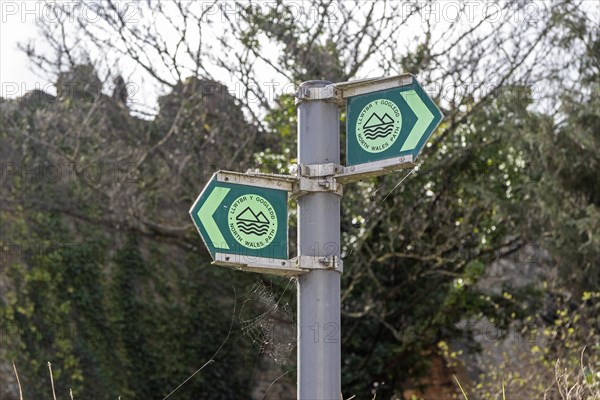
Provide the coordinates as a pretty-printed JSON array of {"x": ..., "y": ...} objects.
[
  {"x": 206, "y": 216},
  {"x": 424, "y": 118}
]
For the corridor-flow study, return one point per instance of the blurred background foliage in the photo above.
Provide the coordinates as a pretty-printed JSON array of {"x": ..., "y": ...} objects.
[{"x": 498, "y": 224}]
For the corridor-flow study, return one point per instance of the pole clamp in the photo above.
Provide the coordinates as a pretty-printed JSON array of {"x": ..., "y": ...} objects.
[
  {"x": 319, "y": 170},
  {"x": 327, "y": 93},
  {"x": 317, "y": 178},
  {"x": 309, "y": 263},
  {"x": 326, "y": 184}
]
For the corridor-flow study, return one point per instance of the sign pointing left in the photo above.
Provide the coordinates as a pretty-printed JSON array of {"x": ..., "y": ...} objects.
[
  {"x": 243, "y": 217},
  {"x": 205, "y": 215}
]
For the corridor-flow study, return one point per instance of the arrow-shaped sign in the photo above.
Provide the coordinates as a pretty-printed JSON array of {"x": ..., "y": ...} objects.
[
  {"x": 243, "y": 216},
  {"x": 389, "y": 119}
]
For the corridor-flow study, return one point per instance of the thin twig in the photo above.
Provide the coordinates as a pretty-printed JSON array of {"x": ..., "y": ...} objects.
[
  {"x": 279, "y": 377},
  {"x": 18, "y": 381},
  {"x": 460, "y": 386},
  {"x": 212, "y": 359},
  {"x": 51, "y": 380}
]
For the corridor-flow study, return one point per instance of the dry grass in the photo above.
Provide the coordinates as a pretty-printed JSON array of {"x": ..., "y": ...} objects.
[
  {"x": 51, "y": 382},
  {"x": 585, "y": 385},
  {"x": 18, "y": 381}
]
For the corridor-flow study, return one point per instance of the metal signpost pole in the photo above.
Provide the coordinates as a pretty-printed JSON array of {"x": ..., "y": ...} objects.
[
  {"x": 242, "y": 217},
  {"x": 319, "y": 354}
]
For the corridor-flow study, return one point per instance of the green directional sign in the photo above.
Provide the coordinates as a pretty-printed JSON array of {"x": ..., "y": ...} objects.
[
  {"x": 241, "y": 219},
  {"x": 389, "y": 123}
]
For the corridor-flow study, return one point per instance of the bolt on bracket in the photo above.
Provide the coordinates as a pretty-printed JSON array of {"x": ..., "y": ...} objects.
[
  {"x": 319, "y": 170},
  {"x": 309, "y": 263},
  {"x": 306, "y": 185}
]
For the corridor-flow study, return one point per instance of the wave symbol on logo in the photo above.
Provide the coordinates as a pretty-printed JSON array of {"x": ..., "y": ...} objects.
[
  {"x": 378, "y": 126},
  {"x": 249, "y": 222}
]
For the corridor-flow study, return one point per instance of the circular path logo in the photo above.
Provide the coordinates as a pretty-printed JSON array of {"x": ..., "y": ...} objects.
[
  {"x": 378, "y": 125},
  {"x": 252, "y": 221}
]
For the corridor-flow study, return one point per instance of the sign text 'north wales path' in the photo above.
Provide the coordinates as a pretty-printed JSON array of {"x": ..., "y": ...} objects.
[
  {"x": 244, "y": 220},
  {"x": 389, "y": 123}
]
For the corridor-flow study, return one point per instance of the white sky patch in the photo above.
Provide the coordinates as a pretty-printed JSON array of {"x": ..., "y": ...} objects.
[
  {"x": 19, "y": 20},
  {"x": 18, "y": 25}
]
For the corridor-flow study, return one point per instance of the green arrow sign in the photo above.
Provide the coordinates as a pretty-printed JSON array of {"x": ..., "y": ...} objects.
[
  {"x": 389, "y": 123},
  {"x": 241, "y": 219}
]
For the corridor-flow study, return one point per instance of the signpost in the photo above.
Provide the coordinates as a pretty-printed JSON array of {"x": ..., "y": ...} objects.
[
  {"x": 318, "y": 292},
  {"x": 389, "y": 123},
  {"x": 242, "y": 218}
]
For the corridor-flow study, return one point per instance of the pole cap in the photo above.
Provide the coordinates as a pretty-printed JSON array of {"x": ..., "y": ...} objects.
[{"x": 316, "y": 90}]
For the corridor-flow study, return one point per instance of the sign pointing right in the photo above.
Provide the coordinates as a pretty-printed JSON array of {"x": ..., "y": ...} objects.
[
  {"x": 391, "y": 120},
  {"x": 424, "y": 119}
]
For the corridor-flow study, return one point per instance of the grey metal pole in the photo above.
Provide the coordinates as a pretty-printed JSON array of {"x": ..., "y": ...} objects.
[{"x": 319, "y": 336}]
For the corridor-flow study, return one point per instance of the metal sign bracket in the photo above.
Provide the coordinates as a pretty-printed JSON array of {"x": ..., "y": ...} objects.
[
  {"x": 359, "y": 172},
  {"x": 257, "y": 264},
  {"x": 294, "y": 267},
  {"x": 317, "y": 178},
  {"x": 326, "y": 184},
  {"x": 319, "y": 170},
  {"x": 271, "y": 181},
  {"x": 339, "y": 92},
  {"x": 307, "y": 263}
]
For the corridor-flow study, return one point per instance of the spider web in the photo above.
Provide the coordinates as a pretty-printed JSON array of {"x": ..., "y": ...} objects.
[{"x": 269, "y": 321}]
